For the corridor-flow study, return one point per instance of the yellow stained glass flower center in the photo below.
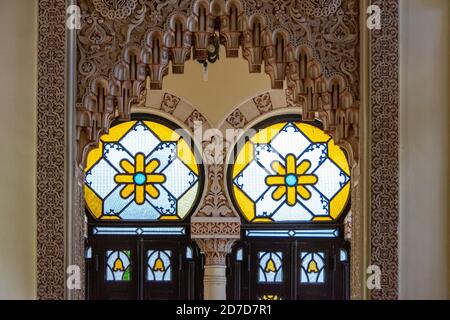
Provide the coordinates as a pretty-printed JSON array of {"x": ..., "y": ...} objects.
[
  {"x": 291, "y": 180},
  {"x": 139, "y": 178}
]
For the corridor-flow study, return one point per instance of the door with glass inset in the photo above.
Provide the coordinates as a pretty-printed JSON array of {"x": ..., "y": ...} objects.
[
  {"x": 265, "y": 269},
  {"x": 113, "y": 270},
  {"x": 316, "y": 271},
  {"x": 168, "y": 270},
  {"x": 129, "y": 268},
  {"x": 268, "y": 264}
]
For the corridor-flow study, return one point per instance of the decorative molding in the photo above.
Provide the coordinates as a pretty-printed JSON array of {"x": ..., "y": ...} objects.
[
  {"x": 169, "y": 103},
  {"x": 353, "y": 226},
  {"x": 50, "y": 206},
  {"x": 79, "y": 233},
  {"x": 215, "y": 250},
  {"x": 219, "y": 228},
  {"x": 237, "y": 120},
  {"x": 215, "y": 237},
  {"x": 384, "y": 82},
  {"x": 320, "y": 8},
  {"x": 115, "y": 9},
  {"x": 195, "y": 117},
  {"x": 263, "y": 102}
]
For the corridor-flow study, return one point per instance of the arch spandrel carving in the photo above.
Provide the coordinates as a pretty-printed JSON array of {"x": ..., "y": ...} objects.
[{"x": 305, "y": 43}]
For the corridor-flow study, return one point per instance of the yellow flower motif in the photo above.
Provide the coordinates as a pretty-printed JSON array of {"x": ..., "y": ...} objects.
[
  {"x": 291, "y": 180},
  {"x": 139, "y": 178}
]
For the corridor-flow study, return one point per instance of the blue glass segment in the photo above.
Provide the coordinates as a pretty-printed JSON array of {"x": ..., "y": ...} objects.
[
  {"x": 291, "y": 180},
  {"x": 240, "y": 254},
  {"x": 189, "y": 253},
  {"x": 139, "y": 179}
]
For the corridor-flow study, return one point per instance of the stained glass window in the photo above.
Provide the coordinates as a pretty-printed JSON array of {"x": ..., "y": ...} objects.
[
  {"x": 270, "y": 266},
  {"x": 312, "y": 267},
  {"x": 118, "y": 265},
  {"x": 159, "y": 267},
  {"x": 290, "y": 172},
  {"x": 141, "y": 170}
]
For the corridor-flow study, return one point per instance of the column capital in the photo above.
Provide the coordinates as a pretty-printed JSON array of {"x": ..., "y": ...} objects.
[
  {"x": 215, "y": 237},
  {"x": 215, "y": 250}
]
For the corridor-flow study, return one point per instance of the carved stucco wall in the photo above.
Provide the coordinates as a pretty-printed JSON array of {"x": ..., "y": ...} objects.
[
  {"x": 384, "y": 96},
  {"x": 51, "y": 150},
  {"x": 331, "y": 46},
  {"x": 314, "y": 46}
]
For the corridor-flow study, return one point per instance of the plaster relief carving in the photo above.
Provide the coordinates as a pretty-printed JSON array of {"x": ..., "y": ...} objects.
[
  {"x": 310, "y": 44},
  {"x": 115, "y": 9}
]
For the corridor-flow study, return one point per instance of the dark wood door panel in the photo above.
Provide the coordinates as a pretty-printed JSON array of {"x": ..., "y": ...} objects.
[
  {"x": 132, "y": 268},
  {"x": 311, "y": 269},
  {"x": 114, "y": 270}
]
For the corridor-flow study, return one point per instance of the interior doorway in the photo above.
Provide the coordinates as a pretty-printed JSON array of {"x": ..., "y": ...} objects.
[
  {"x": 124, "y": 267},
  {"x": 267, "y": 268}
]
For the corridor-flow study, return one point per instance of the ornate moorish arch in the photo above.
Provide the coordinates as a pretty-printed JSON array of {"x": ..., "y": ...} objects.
[
  {"x": 311, "y": 45},
  {"x": 277, "y": 103}
]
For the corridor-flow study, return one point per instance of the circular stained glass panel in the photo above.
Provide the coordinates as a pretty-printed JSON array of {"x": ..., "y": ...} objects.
[
  {"x": 142, "y": 170},
  {"x": 290, "y": 172}
]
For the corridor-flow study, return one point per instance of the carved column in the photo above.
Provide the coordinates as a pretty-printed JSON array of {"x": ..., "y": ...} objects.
[{"x": 215, "y": 237}]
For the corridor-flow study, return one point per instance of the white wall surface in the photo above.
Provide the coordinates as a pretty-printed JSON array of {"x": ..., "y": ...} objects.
[
  {"x": 424, "y": 223},
  {"x": 18, "y": 35}
]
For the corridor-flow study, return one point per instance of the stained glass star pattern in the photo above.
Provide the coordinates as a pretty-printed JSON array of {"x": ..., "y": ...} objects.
[
  {"x": 142, "y": 170},
  {"x": 290, "y": 172}
]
